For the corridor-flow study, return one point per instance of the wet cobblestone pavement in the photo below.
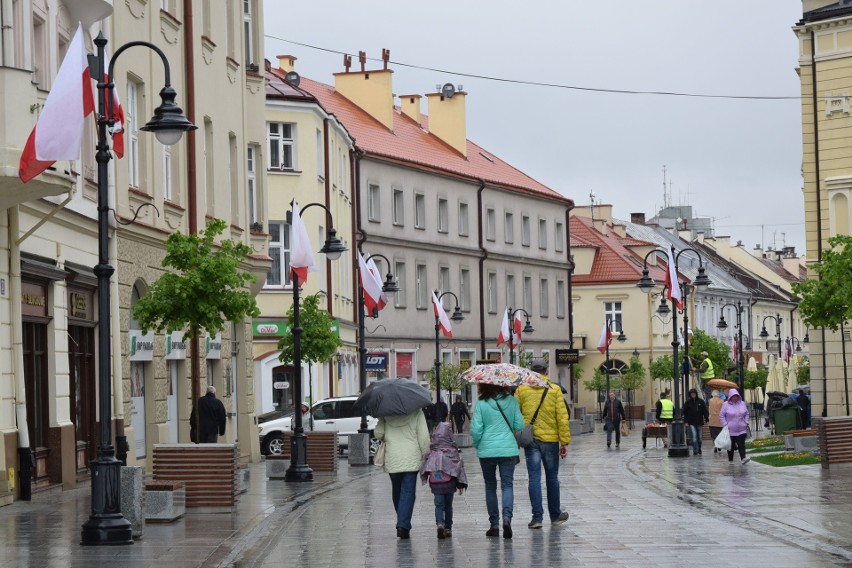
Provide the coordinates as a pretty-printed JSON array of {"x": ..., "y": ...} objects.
[{"x": 628, "y": 506}]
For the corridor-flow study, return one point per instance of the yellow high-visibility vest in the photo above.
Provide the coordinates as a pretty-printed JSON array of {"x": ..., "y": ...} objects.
[
  {"x": 667, "y": 412},
  {"x": 709, "y": 373}
]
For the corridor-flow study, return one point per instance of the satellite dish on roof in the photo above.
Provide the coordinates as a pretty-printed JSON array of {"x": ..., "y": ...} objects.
[
  {"x": 448, "y": 90},
  {"x": 292, "y": 78}
]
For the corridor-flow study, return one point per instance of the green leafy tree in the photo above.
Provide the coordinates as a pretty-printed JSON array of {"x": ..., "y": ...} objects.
[
  {"x": 803, "y": 373},
  {"x": 662, "y": 368},
  {"x": 203, "y": 288},
  {"x": 755, "y": 379},
  {"x": 597, "y": 385},
  {"x": 451, "y": 379},
  {"x": 717, "y": 351},
  {"x": 632, "y": 379}
]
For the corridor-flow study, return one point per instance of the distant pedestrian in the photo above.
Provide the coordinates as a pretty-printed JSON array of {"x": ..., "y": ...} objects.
[
  {"x": 734, "y": 415},
  {"x": 665, "y": 414},
  {"x": 213, "y": 419},
  {"x": 496, "y": 418},
  {"x": 695, "y": 415},
  {"x": 551, "y": 435},
  {"x": 714, "y": 407},
  {"x": 406, "y": 439},
  {"x": 436, "y": 413},
  {"x": 443, "y": 469},
  {"x": 460, "y": 413},
  {"x": 613, "y": 414},
  {"x": 804, "y": 403}
]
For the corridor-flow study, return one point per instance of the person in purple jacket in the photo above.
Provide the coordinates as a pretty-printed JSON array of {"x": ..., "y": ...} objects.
[{"x": 734, "y": 415}]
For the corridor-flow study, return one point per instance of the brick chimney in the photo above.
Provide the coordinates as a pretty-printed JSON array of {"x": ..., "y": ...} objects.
[
  {"x": 372, "y": 91},
  {"x": 286, "y": 63},
  {"x": 447, "y": 119},
  {"x": 637, "y": 218},
  {"x": 758, "y": 251},
  {"x": 410, "y": 106}
]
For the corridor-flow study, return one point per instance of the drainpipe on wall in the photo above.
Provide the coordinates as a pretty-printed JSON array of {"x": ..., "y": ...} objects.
[
  {"x": 482, "y": 259},
  {"x": 571, "y": 393}
]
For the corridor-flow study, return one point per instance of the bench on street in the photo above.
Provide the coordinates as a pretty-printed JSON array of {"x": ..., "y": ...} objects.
[{"x": 834, "y": 438}]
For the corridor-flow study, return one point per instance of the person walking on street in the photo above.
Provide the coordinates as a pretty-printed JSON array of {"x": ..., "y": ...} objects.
[
  {"x": 714, "y": 408},
  {"x": 496, "y": 418},
  {"x": 805, "y": 407},
  {"x": 734, "y": 415},
  {"x": 551, "y": 435},
  {"x": 460, "y": 413},
  {"x": 613, "y": 414},
  {"x": 406, "y": 439},
  {"x": 665, "y": 413},
  {"x": 213, "y": 419},
  {"x": 695, "y": 415},
  {"x": 443, "y": 469},
  {"x": 436, "y": 413}
]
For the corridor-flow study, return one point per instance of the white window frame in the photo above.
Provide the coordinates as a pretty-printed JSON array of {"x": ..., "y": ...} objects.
[
  {"x": 464, "y": 289},
  {"x": 542, "y": 233},
  {"x": 374, "y": 202},
  {"x": 320, "y": 156},
  {"x": 544, "y": 297},
  {"x": 278, "y": 141},
  {"x": 248, "y": 31},
  {"x": 492, "y": 292},
  {"x": 399, "y": 299},
  {"x": 443, "y": 215},
  {"x": 558, "y": 237},
  {"x": 464, "y": 225},
  {"x": 468, "y": 355},
  {"x": 490, "y": 224},
  {"x": 509, "y": 227},
  {"x": 525, "y": 230},
  {"x": 420, "y": 211},
  {"x": 131, "y": 126},
  {"x": 560, "y": 299},
  {"x": 284, "y": 255},
  {"x": 494, "y": 354},
  {"x": 421, "y": 285},
  {"x": 251, "y": 184},
  {"x": 613, "y": 312},
  {"x": 398, "y": 207}
]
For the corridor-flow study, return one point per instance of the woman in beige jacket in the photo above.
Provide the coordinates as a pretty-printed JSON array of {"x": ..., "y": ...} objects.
[{"x": 715, "y": 424}]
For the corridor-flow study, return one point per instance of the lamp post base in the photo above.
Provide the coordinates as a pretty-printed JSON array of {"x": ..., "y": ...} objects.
[
  {"x": 677, "y": 440},
  {"x": 106, "y": 525},
  {"x": 299, "y": 470}
]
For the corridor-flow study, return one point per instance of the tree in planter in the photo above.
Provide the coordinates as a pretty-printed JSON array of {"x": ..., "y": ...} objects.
[
  {"x": 206, "y": 289},
  {"x": 632, "y": 378},
  {"x": 319, "y": 339},
  {"x": 803, "y": 373},
  {"x": 451, "y": 380},
  {"x": 598, "y": 385},
  {"x": 661, "y": 369},
  {"x": 827, "y": 302},
  {"x": 755, "y": 380}
]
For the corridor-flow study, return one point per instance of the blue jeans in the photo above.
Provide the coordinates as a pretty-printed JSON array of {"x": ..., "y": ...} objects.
[
  {"x": 697, "y": 431},
  {"x": 403, "y": 485},
  {"x": 489, "y": 474},
  {"x": 610, "y": 428},
  {"x": 547, "y": 454},
  {"x": 444, "y": 510}
]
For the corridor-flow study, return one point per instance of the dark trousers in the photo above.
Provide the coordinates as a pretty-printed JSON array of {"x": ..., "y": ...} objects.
[
  {"x": 737, "y": 443},
  {"x": 459, "y": 420},
  {"x": 613, "y": 427}
]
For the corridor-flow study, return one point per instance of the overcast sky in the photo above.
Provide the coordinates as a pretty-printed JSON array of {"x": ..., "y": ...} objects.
[{"x": 737, "y": 161}]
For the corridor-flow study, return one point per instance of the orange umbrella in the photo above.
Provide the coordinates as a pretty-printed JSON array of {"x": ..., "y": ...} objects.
[{"x": 722, "y": 384}]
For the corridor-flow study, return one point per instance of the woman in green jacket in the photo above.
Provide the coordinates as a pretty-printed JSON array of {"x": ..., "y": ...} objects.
[{"x": 496, "y": 418}]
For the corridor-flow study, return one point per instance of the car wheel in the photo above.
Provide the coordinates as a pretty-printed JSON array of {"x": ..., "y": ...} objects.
[
  {"x": 374, "y": 445},
  {"x": 273, "y": 444}
]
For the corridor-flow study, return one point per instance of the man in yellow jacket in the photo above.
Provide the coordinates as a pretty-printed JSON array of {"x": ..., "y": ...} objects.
[{"x": 552, "y": 435}]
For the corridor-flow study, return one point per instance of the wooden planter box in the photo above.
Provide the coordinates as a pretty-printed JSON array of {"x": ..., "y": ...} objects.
[
  {"x": 834, "y": 439},
  {"x": 209, "y": 472},
  {"x": 635, "y": 412},
  {"x": 322, "y": 450}
]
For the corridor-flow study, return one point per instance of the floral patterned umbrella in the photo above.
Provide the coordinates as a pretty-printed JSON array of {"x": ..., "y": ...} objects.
[{"x": 504, "y": 375}]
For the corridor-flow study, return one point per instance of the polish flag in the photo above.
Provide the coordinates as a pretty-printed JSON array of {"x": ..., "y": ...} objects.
[
  {"x": 503, "y": 336},
  {"x": 58, "y": 134},
  {"x": 517, "y": 332},
  {"x": 117, "y": 114},
  {"x": 606, "y": 338},
  {"x": 443, "y": 320},
  {"x": 734, "y": 349},
  {"x": 374, "y": 271},
  {"x": 672, "y": 285},
  {"x": 372, "y": 289},
  {"x": 301, "y": 258}
]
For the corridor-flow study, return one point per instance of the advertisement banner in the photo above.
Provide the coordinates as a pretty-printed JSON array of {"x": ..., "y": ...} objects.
[
  {"x": 377, "y": 362},
  {"x": 214, "y": 346},
  {"x": 175, "y": 346},
  {"x": 141, "y": 346}
]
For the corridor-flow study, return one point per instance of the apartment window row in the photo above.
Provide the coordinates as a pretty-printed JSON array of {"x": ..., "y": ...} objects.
[
  {"x": 419, "y": 214},
  {"x": 526, "y": 230}
]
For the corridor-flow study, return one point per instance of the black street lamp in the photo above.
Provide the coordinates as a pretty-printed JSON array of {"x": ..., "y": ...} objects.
[
  {"x": 621, "y": 339},
  {"x": 333, "y": 248},
  {"x": 723, "y": 325},
  {"x": 764, "y": 335},
  {"x": 106, "y": 524},
  {"x": 389, "y": 287},
  {"x": 456, "y": 317},
  {"x": 528, "y": 328},
  {"x": 677, "y": 445}
]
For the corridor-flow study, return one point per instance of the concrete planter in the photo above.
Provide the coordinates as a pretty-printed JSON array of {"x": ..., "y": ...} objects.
[
  {"x": 165, "y": 501},
  {"x": 133, "y": 498}
]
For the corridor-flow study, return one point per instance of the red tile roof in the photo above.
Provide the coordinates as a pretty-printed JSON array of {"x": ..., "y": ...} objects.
[{"x": 411, "y": 144}]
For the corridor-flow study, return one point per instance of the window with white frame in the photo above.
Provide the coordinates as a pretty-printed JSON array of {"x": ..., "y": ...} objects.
[
  {"x": 612, "y": 312},
  {"x": 464, "y": 289},
  {"x": 510, "y": 290},
  {"x": 398, "y": 207},
  {"x": 509, "y": 228},
  {"x": 167, "y": 172},
  {"x": 373, "y": 201},
  {"x": 464, "y": 227},
  {"x": 542, "y": 234},
  {"x": 421, "y": 285},
  {"x": 131, "y": 126},
  {"x": 251, "y": 182},
  {"x": 558, "y": 237},
  {"x": 446, "y": 356},
  {"x": 494, "y": 355},
  {"x": 248, "y": 32},
  {"x": 444, "y": 286},
  {"x": 492, "y": 292},
  {"x": 467, "y": 357},
  {"x": 279, "y": 251},
  {"x": 443, "y": 215},
  {"x": 490, "y": 224},
  {"x": 528, "y": 293},
  {"x": 419, "y": 211},
  {"x": 399, "y": 274},
  {"x": 320, "y": 156},
  {"x": 525, "y": 230},
  {"x": 282, "y": 146},
  {"x": 544, "y": 297},
  {"x": 560, "y": 298}
]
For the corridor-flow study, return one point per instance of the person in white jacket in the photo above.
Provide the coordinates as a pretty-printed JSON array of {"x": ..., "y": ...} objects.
[{"x": 406, "y": 440}]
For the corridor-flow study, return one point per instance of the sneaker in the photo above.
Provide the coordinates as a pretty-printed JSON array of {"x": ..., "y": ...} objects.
[
  {"x": 448, "y": 532},
  {"x": 402, "y": 533},
  {"x": 442, "y": 532},
  {"x": 493, "y": 531},
  {"x": 535, "y": 524},
  {"x": 507, "y": 531},
  {"x": 607, "y": 444},
  {"x": 746, "y": 460},
  {"x": 563, "y": 517}
]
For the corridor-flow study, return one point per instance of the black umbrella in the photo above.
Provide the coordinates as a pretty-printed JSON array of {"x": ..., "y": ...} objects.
[{"x": 393, "y": 397}]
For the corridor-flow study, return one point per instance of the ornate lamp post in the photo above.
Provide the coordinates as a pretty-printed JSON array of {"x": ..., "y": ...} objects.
[
  {"x": 677, "y": 445},
  {"x": 528, "y": 328},
  {"x": 299, "y": 469},
  {"x": 764, "y": 335},
  {"x": 723, "y": 325},
  {"x": 456, "y": 317},
  {"x": 389, "y": 287},
  {"x": 106, "y": 524}
]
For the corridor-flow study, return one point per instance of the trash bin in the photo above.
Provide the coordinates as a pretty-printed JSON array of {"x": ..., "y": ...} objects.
[{"x": 787, "y": 419}]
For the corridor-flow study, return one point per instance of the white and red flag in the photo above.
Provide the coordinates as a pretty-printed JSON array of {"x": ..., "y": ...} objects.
[
  {"x": 117, "y": 114},
  {"x": 503, "y": 336},
  {"x": 606, "y": 338},
  {"x": 518, "y": 325},
  {"x": 374, "y": 270},
  {"x": 374, "y": 298},
  {"x": 301, "y": 258},
  {"x": 58, "y": 134},
  {"x": 672, "y": 285},
  {"x": 788, "y": 350},
  {"x": 443, "y": 320}
]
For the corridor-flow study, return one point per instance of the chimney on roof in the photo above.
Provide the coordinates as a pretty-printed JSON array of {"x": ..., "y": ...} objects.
[
  {"x": 637, "y": 218},
  {"x": 791, "y": 265},
  {"x": 410, "y": 106},
  {"x": 685, "y": 234},
  {"x": 286, "y": 63},
  {"x": 447, "y": 117},
  {"x": 372, "y": 91},
  {"x": 758, "y": 251}
]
